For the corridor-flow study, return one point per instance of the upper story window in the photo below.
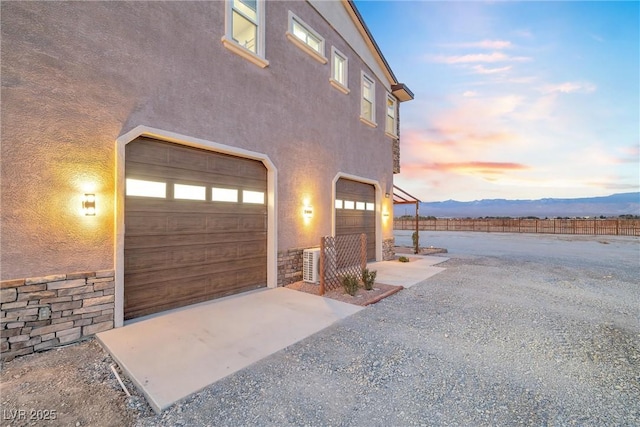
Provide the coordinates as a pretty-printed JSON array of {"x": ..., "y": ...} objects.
[
  {"x": 303, "y": 36},
  {"x": 244, "y": 23},
  {"x": 391, "y": 123},
  {"x": 368, "y": 102},
  {"x": 339, "y": 70}
]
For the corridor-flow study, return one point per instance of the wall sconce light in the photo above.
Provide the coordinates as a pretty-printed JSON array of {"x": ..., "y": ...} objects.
[
  {"x": 385, "y": 214},
  {"x": 307, "y": 212},
  {"x": 386, "y": 195},
  {"x": 89, "y": 204}
]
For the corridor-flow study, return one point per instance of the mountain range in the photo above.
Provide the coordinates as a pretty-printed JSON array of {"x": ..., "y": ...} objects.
[{"x": 609, "y": 206}]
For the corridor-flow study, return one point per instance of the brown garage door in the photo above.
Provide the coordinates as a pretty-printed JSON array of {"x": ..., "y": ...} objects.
[
  {"x": 195, "y": 226},
  {"x": 355, "y": 211}
]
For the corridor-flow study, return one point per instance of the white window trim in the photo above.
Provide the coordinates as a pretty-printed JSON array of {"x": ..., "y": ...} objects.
[
  {"x": 368, "y": 121},
  {"x": 394, "y": 132},
  {"x": 335, "y": 83},
  {"x": 318, "y": 56},
  {"x": 228, "y": 42}
]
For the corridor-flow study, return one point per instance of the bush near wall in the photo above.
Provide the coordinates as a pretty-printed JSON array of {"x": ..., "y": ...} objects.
[{"x": 44, "y": 312}]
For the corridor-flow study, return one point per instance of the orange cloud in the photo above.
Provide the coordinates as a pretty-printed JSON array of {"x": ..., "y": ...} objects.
[{"x": 487, "y": 168}]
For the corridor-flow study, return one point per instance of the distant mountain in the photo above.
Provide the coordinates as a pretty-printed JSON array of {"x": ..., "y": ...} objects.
[{"x": 614, "y": 205}]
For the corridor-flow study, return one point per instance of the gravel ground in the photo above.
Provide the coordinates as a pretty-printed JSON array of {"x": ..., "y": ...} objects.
[
  {"x": 518, "y": 330},
  {"x": 545, "y": 334}
]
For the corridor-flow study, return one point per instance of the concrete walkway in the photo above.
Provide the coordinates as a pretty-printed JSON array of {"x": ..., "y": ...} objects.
[
  {"x": 175, "y": 354},
  {"x": 409, "y": 273}
]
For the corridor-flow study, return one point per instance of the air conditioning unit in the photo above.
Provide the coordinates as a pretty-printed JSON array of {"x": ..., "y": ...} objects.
[{"x": 311, "y": 265}]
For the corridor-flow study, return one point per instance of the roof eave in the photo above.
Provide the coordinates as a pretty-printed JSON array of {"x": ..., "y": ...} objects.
[{"x": 403, "y": 92}]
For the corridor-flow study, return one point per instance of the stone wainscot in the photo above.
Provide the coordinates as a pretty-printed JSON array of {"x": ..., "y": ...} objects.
[{"x": 43, "y": 312}]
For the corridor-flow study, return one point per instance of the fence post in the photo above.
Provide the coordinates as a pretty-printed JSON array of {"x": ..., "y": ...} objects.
[
  {"x": 363, "y": 251},
  {"x": 322, "y": 261}
]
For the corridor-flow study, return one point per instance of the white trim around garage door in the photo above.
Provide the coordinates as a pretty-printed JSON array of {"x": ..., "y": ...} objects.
[
  {"x": 376, "y": 185},
  {"x": 162, "y": 135}
]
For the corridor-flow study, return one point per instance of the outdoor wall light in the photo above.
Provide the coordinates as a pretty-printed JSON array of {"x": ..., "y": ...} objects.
[
  {"x": 307, "y": 212},
  {"x": 386, "y": 195},
  {"x": 385, "y": 214},
  {"x": 89, "y": 204}
]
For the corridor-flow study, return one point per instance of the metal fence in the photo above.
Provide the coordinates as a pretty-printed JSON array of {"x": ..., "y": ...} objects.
[
  {"x": 340, "y": 256},
  {"x": 616, "y": 227}
]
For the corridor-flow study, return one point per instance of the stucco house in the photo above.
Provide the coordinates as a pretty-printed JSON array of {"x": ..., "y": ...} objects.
[{"x": 159, "y": 154}]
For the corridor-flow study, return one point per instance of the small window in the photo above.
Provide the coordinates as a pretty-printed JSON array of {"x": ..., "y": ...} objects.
[
  {"x": 305, "y": 38},
  {"x": 348, "y": 204},
  {"x": 244, "y": 24},
  {"x": 370, "y": 206},
  {"x": 338, "y": 204},
  {"x": 360, "y": 206},
  {"x": 224, "y": 195},
  {"x": 256, "y": 197},
  {"x": 391, "y": 124},
  {"x": 367, "y": 112},
  {"x": 339, "y": 70},
  {"x": 142, "y": 188},
  {"x": 189, "y": 192}
]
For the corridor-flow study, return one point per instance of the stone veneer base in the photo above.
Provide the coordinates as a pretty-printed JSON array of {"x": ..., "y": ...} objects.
[{"x": 43, "y": 312}]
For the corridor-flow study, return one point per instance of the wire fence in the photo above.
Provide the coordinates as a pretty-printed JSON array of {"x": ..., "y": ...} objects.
[
  {"x": 341, "y": 256},
  {"x": 616, "y": 227}
]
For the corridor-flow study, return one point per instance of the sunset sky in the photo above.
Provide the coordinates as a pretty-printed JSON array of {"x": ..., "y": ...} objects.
[{"x": 514, "y": 100}]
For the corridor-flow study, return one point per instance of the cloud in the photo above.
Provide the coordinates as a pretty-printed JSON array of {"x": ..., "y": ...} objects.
[
  {"x": 569, "y": 87},
  {"x": 473, "y": 167},
  {"x": 486, "y": 44},
  {"x": 481, "y": 69},
  {"x": 470, "y": 94},
  {"x": 477, "y": 57},
  {"x": 628, "y": 154}
]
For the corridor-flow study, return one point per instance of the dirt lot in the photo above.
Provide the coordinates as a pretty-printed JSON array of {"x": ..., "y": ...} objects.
[
  {"x": 518, "y": 330},
  {"x": 70, "y": 386}
]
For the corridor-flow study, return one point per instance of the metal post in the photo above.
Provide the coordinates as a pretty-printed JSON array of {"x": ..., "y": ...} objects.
[
  {"x": 323, "y": 254},
  {"x": 417, "y": 243}
]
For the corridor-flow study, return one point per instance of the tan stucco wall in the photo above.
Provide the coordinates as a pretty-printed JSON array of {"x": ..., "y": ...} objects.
[{"x": 76, "y": 76}]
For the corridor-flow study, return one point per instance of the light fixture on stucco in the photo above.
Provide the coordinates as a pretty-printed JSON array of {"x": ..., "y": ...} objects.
[
  {"x": 307, "y": 212},
  {"x": 89, "y": 204}
]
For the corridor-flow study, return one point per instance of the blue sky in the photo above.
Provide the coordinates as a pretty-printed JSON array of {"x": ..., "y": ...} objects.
[{"x": 514, "y": 100}]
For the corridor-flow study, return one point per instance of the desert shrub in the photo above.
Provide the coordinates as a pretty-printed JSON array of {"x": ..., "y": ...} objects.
[
  {"x": 403, "y": 259},
  {"x": 368, "y": 278},
  {"x": 416, "y": 242},
  {"x": 350, "y": 284}
]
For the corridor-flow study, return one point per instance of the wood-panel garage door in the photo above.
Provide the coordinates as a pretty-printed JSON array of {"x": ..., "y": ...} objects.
[
  {"x": 355, "y": 211},
  {"x": 195, "y": 226}
]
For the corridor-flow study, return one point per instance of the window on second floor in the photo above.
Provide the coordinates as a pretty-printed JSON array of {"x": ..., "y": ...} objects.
[
  {"x": 244, "y": 24},
  {"x": 368, "y": 102},
  {"x": 306, "y": 38},
  {"x": 339, "y": 70},
  {"x": 391, "y": 123}
]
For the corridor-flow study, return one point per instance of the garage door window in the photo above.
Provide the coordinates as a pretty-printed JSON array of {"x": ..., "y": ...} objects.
[
  {"x": 142, "y": 188},
  {"x": 224, "y": 195},
  {"x": 189, "y": 192},
  {"x": 256, "y": 197}
]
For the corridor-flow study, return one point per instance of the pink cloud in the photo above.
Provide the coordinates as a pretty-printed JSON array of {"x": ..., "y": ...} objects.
[{"x": 569, "y": 87}]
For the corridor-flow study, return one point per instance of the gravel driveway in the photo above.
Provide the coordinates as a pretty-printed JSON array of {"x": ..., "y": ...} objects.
[{"x": 520, "y": 329}]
